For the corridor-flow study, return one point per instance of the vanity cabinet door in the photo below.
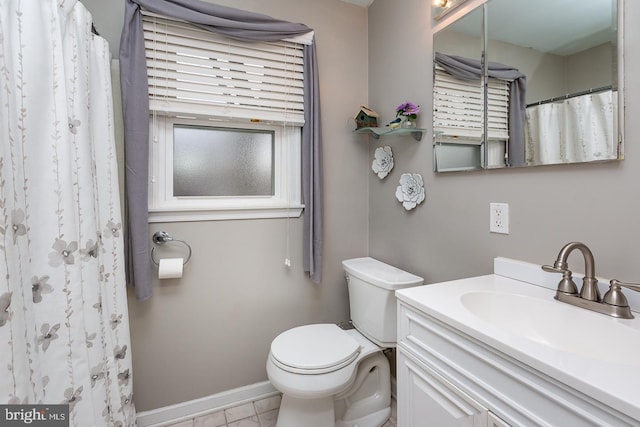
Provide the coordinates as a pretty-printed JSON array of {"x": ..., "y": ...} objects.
[
  {"x": 426, "y": 399},
  {"x": 494, "y": 421}
]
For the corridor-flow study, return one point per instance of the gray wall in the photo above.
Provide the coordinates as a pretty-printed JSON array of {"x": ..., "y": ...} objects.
[
  {"x": 210, "y": 332},
  {"x": 448, "y": 237}
]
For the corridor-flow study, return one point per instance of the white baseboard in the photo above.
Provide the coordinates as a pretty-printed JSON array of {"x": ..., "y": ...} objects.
[{"x": 205, "y": 405}]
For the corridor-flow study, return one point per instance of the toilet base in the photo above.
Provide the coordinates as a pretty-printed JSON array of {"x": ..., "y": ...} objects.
[
  {"x": 376, "y": 419},
  {"x": 296, "y": 412},
  {"x": 368, "y": 402}
]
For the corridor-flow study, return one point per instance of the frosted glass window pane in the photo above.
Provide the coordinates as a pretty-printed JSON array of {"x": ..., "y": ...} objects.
[{"x": 210, "y": 161}]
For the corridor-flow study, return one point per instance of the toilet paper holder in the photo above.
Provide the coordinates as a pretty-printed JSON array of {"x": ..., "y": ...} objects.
[{"x": 162, "y": 237}]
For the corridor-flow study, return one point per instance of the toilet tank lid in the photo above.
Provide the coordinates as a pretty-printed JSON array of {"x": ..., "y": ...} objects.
[{"x": 380, "y": 274}]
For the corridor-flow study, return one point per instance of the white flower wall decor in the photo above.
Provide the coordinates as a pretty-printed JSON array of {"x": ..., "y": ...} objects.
[
  {"x": 410, "y": 192},
  {"x": 382, "y": 162}
]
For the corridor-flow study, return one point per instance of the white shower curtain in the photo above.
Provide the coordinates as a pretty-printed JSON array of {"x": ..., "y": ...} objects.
[
  {"x": 578, "y": 129},
  {"x": 64, "y": 332}
]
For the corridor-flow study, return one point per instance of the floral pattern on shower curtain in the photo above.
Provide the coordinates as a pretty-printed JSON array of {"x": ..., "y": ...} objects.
[
  {"x": 579, "y": 129},
  {"x": 64, "y": 332}
]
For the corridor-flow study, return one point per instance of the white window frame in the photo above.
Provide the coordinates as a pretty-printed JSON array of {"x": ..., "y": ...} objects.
[
  {"x": 183, "y": 64},
  {"x": 165, "y": 207}
]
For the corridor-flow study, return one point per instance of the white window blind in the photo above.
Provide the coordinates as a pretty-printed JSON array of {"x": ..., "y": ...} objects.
[
  {"x": 194, "y": 71},
  {"x": 458, "y": 108}
]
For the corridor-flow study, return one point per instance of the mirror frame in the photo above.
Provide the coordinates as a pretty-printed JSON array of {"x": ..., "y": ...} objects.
[{"x": 440, "y": 22}]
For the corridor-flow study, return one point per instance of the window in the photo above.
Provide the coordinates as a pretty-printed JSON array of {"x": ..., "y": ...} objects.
[
  {"x": 215, "y": 162},
  {"x": 203, "y": 170},
  {"x": 459, "y": 120},
  {"x": 226, "y": 124}
]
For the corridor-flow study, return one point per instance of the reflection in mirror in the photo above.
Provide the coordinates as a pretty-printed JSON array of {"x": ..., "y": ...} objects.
[
  {"x": 569, "y": 58},
  {"x": 568, "y": 51},
  {"x": 458, "y": 103}
]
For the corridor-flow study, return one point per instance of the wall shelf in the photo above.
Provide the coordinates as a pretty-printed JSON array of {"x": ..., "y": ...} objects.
[{"x": 377, "y": 132}]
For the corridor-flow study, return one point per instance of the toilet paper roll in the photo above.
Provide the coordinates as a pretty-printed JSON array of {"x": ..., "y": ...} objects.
[{"x": 170, "y": 268}]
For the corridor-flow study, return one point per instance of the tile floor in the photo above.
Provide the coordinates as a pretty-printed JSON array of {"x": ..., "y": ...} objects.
[{"x": 260, "y": 413}]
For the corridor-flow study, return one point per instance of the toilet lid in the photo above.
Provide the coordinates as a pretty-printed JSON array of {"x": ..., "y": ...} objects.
[{"x": 314, "y": 349}]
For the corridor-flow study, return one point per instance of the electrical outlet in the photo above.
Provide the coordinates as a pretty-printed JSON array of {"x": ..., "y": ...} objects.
[{"x": 499, "y": 218}]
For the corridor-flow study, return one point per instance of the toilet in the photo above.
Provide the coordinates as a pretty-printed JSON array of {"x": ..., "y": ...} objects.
[{"x": 330, "y": 375}]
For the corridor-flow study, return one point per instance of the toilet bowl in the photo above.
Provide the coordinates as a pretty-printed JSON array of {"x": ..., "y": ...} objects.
[
  {"x": 350, "y": 374},
  {"x": 330, "y": 376}
]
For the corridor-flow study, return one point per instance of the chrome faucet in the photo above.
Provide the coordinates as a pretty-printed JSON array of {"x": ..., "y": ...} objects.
[
  {"x": 566, "y": 286},
  {"x": 614, "y": 302}
]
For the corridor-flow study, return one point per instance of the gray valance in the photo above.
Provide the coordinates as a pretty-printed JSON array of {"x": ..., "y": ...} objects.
[
  {"x": 234, "y": 23},
  {"x": 470, "y": 69}
]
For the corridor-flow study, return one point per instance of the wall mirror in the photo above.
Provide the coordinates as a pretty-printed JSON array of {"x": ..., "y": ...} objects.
[{"x": 550, "y": 79}]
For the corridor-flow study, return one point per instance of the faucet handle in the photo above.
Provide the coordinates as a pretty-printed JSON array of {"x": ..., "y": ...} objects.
[
  {"x": 553, "y": 269},
  {"x": 618, "y": 283},
  {"x": 614, "y": 295},
  {"x": 566, "y": 284}
]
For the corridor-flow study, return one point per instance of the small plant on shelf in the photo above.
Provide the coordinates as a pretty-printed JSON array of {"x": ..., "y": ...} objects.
[{"x": 407, "y": 112}]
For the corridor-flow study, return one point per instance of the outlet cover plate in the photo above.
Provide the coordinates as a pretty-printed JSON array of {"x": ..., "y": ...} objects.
[{"x": 499, "y": 218}]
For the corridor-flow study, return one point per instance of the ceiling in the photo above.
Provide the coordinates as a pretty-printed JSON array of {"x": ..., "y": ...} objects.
[
  {"x": 561, "y": 27},
  {"x": 363, "y": 3}
]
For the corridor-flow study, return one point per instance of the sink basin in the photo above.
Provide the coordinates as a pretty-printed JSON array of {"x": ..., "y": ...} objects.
[{"x": 557, "y": 325}]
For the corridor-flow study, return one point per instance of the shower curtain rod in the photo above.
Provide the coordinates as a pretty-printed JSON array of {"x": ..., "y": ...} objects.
[{"x": 572, "y": 95}]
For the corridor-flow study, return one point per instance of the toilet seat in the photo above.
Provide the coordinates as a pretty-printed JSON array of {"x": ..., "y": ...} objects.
[{"x": 314, "y": 349}]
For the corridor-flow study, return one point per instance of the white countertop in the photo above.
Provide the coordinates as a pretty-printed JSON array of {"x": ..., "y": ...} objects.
[{"x": 606, "y": 374}]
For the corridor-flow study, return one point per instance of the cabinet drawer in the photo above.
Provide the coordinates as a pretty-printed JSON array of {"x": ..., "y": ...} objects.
[{"x": 426, "y": 399}]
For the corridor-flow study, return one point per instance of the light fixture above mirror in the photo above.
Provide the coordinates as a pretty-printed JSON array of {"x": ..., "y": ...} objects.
[{"x": 443, "y": 7}]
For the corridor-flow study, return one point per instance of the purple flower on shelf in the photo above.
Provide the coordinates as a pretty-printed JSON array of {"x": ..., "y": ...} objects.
[{"x": 408, "y": 109}]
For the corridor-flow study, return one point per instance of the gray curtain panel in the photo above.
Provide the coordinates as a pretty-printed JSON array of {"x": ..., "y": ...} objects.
[
  {"x": 470, "y": 69},
  {"x": 234, "y": 23}
]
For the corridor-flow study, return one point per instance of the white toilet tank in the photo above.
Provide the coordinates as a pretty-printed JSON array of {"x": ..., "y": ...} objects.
[{"x": 372, "y": 285}]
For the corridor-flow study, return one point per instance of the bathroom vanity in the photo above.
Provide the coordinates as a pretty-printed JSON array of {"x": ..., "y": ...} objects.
[{"x": 499, "y": 350}]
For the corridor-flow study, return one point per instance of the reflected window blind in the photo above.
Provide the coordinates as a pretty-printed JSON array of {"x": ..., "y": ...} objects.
[
  {"x": 458, "y": 108},
  {"x": 194, "y": 71}
]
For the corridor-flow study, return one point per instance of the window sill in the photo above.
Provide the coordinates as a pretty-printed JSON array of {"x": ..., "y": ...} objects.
[{"x": 191, "y": 215}]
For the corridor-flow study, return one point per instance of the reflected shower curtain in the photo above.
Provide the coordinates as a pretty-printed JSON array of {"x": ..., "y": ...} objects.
[
  {"x": 64, "y": 332},
  {"x": 578, "y": 129}
]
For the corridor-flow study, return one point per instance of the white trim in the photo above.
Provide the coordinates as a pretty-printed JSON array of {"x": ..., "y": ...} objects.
[
  {"x": 206, "y": 405},
  {"x": 229, "y": 214},
  {"x": 285, "y": 202}
]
